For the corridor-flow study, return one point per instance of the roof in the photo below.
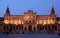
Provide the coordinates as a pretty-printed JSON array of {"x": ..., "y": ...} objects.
[
  {"x": 58, "y": 18},
  {"x": 1, "y": 18}
]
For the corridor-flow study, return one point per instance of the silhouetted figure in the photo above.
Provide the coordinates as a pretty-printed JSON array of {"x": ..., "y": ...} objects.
[
  {"x": 58, "y": 34},
  {"x": 23, "y": 32},
  {"x": 7, "y": 33}
]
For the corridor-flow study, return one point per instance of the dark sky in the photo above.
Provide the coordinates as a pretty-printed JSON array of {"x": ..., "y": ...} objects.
[{"x": 18, "y": 7}]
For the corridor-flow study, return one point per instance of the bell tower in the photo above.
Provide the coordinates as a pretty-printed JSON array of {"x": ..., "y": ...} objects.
[
  {"x": 7, "y": 11},
  {"x": 53, "y": 15},
  {"x": 7, "y": 16},
  {"x": 52, "y": 11}
]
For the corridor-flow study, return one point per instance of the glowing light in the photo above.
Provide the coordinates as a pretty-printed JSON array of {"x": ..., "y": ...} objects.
[
  {"x": 44, "y": 22},
  {"x": 22, "y": 23},
  {"x": 49, "y": 22},
  {"x": 52, "y": 21},
  {"x": 37, "y": 22},
  {"x": 26, "y": 17},
  {"x": 11, "y": 22},
  {"x": 6, "y": 21},
  {"x": 19, "y": 21},
  {"x": 40, "y": 22},
  {"x": 58, "y": 22},
  {"x": 15, "y": 22}
]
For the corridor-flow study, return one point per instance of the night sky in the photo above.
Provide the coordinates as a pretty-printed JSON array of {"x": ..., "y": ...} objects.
[{"x": 18, "y": 7}]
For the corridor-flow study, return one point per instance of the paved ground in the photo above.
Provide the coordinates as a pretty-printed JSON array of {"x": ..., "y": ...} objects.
[{"x": 29, "y": 36}]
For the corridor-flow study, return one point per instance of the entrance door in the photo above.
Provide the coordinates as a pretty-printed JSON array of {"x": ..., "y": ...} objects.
[
  {"x": 30, "y": 28},
  {"x": 34, "y": 28}
]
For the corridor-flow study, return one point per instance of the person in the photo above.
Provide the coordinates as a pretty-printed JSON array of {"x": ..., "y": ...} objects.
[
  {"x": 7, "y": 33},
  {"x": 23, "y": 32},
  {"x": 59, "y": 34}
]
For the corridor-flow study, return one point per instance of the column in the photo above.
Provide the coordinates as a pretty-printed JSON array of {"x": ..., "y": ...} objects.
[
  {"x": 50, "y": 27},
  {"x": 44, "y": 28},
  {"x": 57, "y": 28}
]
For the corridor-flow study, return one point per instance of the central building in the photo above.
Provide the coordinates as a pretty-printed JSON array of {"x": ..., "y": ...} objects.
[{"x": 30, "y": 20}]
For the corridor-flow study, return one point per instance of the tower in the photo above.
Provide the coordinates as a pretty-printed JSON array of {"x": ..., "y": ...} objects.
[
  {"x": 7, "y": 11},
  {"x": 52, "y": 11},
  {"x": 7, "y": 16},
  {"x": 53, "y": 15}
]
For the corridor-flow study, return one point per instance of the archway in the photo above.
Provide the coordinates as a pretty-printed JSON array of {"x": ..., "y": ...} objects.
[
  {"x": 30, "y": 27},
  {"x": 25, "y": 28},
  {"x": 34, "y": 28}
]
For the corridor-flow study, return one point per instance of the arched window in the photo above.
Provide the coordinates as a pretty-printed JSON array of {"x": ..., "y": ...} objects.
[{"x": 29, "y": 21}]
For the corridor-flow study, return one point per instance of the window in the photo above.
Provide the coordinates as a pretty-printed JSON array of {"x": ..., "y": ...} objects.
[
  {"x": 29, "y": 21},
  {"x": 33, "y": 21}
]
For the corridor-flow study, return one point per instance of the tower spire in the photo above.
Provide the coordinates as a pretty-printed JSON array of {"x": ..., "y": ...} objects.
[
  {"x": 7, "y": 11},
  {"x": 52, "y": 10}
]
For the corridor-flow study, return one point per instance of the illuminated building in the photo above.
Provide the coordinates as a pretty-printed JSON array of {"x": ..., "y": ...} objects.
[{"x": 30, "y": 21}]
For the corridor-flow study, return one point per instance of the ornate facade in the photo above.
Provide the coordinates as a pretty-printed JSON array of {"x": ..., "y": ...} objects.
[{"x": 31, "y": 21}]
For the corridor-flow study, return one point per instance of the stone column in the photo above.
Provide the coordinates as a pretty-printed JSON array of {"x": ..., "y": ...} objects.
[
  {"x": 32, "y": 28},
  {"x": 36, "y": 28},
  {"x": 27, "y": 28},
  {"x": 50, "y": 27},
  {"x": 11, "y": 27},
  {"x": 57, "y": 28},
  {"x": 23, "y": 29},
  {"x": 44, "y": 28}
]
